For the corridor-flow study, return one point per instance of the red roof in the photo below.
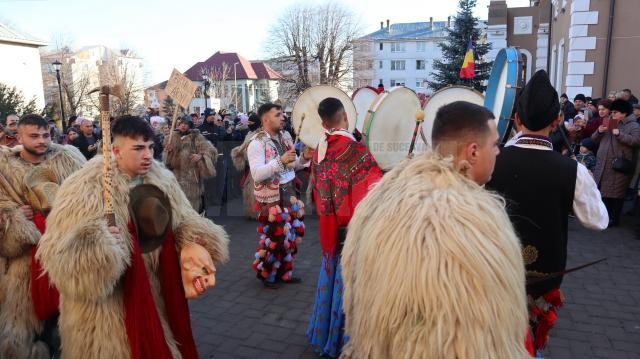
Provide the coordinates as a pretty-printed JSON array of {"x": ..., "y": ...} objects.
[
  {"x": 264, "y": 72},
  {"x": 244, "y": 69}
]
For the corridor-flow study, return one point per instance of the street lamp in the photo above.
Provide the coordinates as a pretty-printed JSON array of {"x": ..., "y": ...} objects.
[
  {"x": 56, "y": 66},
  {"x": 235, "y": 84},
  {"x": 205, "y": 80}
]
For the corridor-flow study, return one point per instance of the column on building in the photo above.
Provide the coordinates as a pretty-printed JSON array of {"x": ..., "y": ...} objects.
[
  {"x": 542, "y": 47},
  {"x": 579, "y": 44}
]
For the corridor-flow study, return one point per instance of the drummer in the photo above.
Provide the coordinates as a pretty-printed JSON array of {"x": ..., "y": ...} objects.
[{"x": 273, "y": 162}]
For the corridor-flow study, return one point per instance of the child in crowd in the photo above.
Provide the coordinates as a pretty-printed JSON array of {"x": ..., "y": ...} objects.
[{"x": 586, "y": 156}]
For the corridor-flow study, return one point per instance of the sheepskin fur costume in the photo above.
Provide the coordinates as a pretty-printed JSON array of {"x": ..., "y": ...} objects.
[
  {"x": 18, "y": 322},
  {"x": 241, "y": 163},
  {"x": 177, "y": 156},
  {"x": 432, "y": 269},
  {"x": 87, "y": 265}
]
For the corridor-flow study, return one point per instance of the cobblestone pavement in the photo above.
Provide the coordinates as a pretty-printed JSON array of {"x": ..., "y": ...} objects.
[{"x": 239, "y": 318}]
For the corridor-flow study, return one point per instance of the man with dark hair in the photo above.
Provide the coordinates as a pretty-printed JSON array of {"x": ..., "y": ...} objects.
[
  {"x": 124, "y": 309},
  {"x": 431, "y": 251},
  {"x": 273, "y": 162},
  {"x": 32, "y": 172},
  {"x": 340, "y": 159},
  {"x": 542, "y": 187},
  {"x": 468, "y": 133}
]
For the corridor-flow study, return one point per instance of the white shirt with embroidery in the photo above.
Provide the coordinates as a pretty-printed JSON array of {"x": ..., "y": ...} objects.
[{"x": 262, "y": 170}]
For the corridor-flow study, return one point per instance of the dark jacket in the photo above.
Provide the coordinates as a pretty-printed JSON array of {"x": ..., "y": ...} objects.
[
  {"x": 569, "y": 110},
  {"x": 158, "y": 146},
  {"x": 614, "y": 184},
  {"x": 83, "y": 145},
  {"x": 214, "y": 133}
]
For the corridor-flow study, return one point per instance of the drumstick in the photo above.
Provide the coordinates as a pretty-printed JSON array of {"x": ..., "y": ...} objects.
[
  {"x": 419, "y": 119},
  {"x": 299, "y": 131}
]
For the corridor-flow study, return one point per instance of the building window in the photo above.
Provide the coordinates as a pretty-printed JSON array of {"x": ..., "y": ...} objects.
[
  {"x": 397, "y": 65},
  {"x": 380, "y": 46},
  {"x": 196, "y": 109},
  {"x": 421, "y": 83},
  {"x": 420, "y": 64},
  {"x": 421, "y": 46},
  {"x": 380, "y": 64},
  {"x": 397, "y": 83},
  {"x": 397, "y": 47}
]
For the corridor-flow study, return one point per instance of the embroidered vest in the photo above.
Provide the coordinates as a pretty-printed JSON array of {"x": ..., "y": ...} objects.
[{"x": 268, "y": 191}]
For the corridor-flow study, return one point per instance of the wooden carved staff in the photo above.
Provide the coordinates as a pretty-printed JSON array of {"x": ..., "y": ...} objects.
[
  {"x": 299, "y": 131},
  {"x": 105, "y": 123}
]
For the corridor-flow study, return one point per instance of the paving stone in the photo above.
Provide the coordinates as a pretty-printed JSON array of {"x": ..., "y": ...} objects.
[{"x": 239, "y": 318}]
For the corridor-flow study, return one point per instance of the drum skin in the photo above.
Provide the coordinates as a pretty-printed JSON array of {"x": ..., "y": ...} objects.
[
  {"x": 307, "y": 106},
  {"x": 502, "y": 87},
  {"x": 389, "y": 127},
  {"x": 362, "y": 99},
  {"x": 445, "y": 96}
]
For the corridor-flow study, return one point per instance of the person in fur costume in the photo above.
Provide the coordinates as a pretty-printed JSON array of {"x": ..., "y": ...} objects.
[
  {"x": 117, "y": 301},
  {"x": 23, "y": 206},
  {"x": 192, "y": 159},
  {"x": 241, "y": 163},
  {"x": 431, "y": 264}
]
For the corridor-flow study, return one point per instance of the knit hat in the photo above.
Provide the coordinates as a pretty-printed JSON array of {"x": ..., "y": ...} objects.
[
  {"x": 588, "y": 143},
  {"x": 580, "y": 97}
]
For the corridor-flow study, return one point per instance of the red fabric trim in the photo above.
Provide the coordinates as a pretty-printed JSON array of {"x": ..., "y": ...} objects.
[
  {"x": 142, "y": 321},
  {"x": 543, "y": 319},
  {"x": 44, "y": 296},
  {"x": 528, "y": 343}
]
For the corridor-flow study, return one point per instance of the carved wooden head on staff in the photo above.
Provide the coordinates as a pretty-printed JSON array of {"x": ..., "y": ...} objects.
[{"x": 105, "y": 91}]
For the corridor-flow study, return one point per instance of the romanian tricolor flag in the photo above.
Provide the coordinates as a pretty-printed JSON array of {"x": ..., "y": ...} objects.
[{"x": 468, "y": 70}]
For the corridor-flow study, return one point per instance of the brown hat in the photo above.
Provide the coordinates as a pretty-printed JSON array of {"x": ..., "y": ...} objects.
[
  {"x": 150, "y": 211},
  {"x": 41, "y": 188}
]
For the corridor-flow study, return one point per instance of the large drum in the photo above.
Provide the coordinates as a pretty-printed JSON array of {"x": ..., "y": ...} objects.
[
  {"x": 305, "y": 119},
  {"x": 505, "y": 78},
  {"x": 362, "y": 99},
  {"x": 445, "y": 96},
  {"x": 389, "y": 127}
]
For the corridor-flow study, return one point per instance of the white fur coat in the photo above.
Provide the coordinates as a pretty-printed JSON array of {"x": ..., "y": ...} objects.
[
  {"x": 18, "y": 321},
  {"x": 87, "y": 265},
  {"x": 432, "y": 269}
]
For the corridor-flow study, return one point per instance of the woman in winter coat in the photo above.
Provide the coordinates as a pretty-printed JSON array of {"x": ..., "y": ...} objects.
[{"x": 618, "y": 140}]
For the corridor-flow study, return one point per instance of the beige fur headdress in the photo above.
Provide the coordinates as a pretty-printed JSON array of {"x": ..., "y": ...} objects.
[{"x": 435, "y": 271}]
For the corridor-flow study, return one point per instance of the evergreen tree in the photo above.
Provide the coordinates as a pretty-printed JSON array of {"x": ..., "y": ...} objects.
[
  {"x": 447, "y": 71},
  {"x": 12, "y": 101},
  {"x": 168, "y": 107}
]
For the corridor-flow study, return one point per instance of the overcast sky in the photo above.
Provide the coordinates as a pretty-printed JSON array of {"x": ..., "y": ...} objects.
[{"x": 169, "y": 33}]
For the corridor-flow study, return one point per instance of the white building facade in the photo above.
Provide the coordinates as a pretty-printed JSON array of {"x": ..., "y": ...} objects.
[
  {"x": 83, "y": 69},
  {"x": 399, "y": 55},
  {"x": 20, "y": 64}
]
